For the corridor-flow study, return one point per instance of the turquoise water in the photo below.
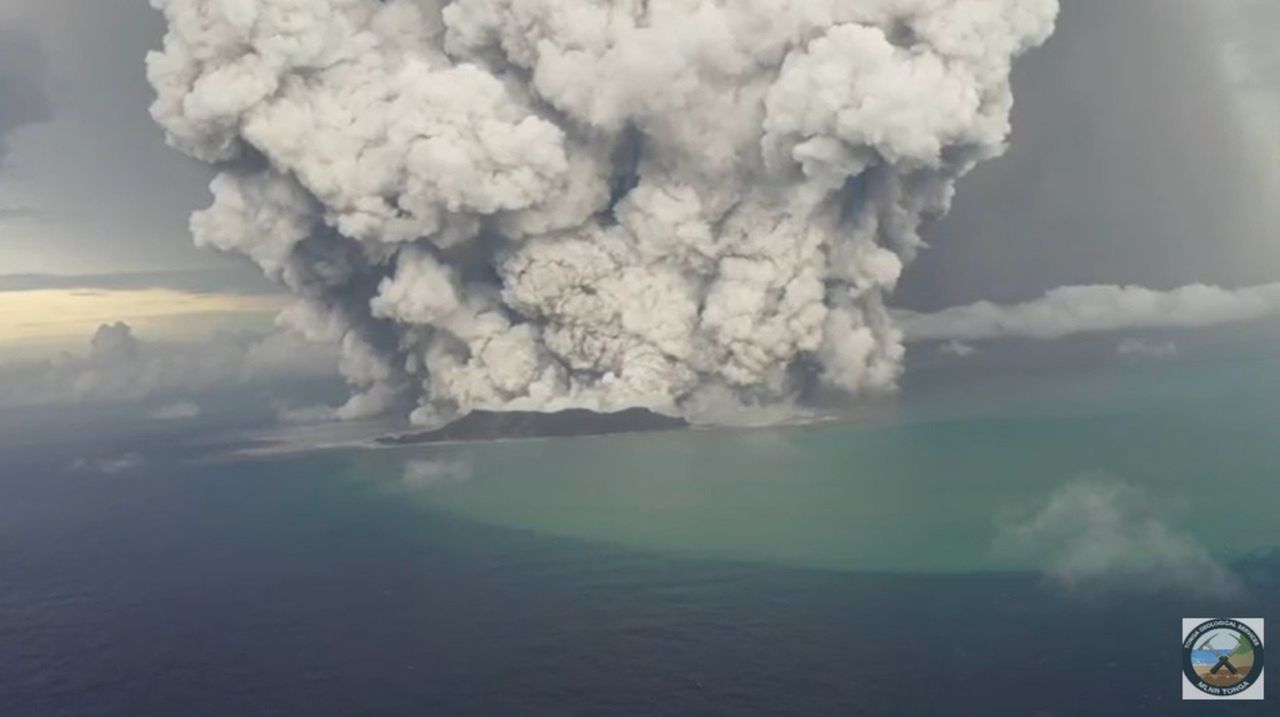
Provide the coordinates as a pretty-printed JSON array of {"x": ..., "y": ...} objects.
[
  {"x": 845, "y": 570},
  {"x": 932, "y": 487}
]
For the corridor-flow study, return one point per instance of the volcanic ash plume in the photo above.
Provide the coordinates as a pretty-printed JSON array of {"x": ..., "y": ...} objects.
[{"x": 542, "y": 204}]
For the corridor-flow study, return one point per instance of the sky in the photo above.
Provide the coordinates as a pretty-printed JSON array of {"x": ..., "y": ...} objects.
[
  {"x": 1143, "y": 152},
  {"x": 87, "y": 180},
  {"x": 1134, "y": 156}
]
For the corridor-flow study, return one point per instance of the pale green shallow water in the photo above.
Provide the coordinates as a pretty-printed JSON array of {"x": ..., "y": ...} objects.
[{"x": 925, "y": 490}]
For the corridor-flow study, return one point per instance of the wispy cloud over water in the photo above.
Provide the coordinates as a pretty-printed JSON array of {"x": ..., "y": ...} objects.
[
  {"x": 1097, "y": 534},
  {"x": 422, "y": 474}
]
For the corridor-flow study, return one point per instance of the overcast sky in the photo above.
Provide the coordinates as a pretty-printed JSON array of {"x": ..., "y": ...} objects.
[
  {"x": 1133, "y": 160},
  {"x": 93, "y": 188},
  {"x": 1142, "y": 153}
]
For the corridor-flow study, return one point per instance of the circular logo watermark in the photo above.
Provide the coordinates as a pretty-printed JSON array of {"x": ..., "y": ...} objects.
[{"x": 1222, "y": 657}]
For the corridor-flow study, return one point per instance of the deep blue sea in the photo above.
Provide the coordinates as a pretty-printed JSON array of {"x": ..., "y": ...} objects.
[{"x": 1030, "y": 552}]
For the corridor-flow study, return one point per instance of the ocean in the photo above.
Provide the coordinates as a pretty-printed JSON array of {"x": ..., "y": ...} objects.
[{"x": 1016, "y": 545}]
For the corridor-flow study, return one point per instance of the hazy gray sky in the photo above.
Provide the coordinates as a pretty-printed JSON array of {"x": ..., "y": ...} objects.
[
  {"x": 1132, "y": 158},
  {"x": 22, "y": 77},
  {"x": 1131, "y": 162},
  {"x": 96, "y": 187}
]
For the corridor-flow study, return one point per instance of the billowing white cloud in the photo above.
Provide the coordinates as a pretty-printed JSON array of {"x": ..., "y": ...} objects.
[
  {"x": 120, "y": 367},
  {"x": 1079, "y": 309},
  {"x": 1095, "y": 533},
  {"x": 540, "y": 204}
]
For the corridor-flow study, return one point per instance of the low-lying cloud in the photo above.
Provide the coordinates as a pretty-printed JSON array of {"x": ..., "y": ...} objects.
[
  {"x": 1072, "y": 310},
  {"x": 1097, "y": 534},
  {"x": 120, "y": 367},
  {"x": 229, "y": 280},
  {"x": 424, "y": 474}
]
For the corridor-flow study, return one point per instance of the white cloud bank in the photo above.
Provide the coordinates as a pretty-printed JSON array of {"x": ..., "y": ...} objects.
[
  {"x": 1096, "y": 534},
  {"x": 120, "y": 367},
  {"x": 1081, "y": 309}
]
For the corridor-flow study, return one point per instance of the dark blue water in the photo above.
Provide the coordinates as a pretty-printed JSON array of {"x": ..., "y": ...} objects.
[{"x": 288, "y": 588}]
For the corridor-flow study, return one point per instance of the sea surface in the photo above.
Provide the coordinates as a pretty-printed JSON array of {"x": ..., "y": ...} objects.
[{"x": 1016, "y": 545}]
